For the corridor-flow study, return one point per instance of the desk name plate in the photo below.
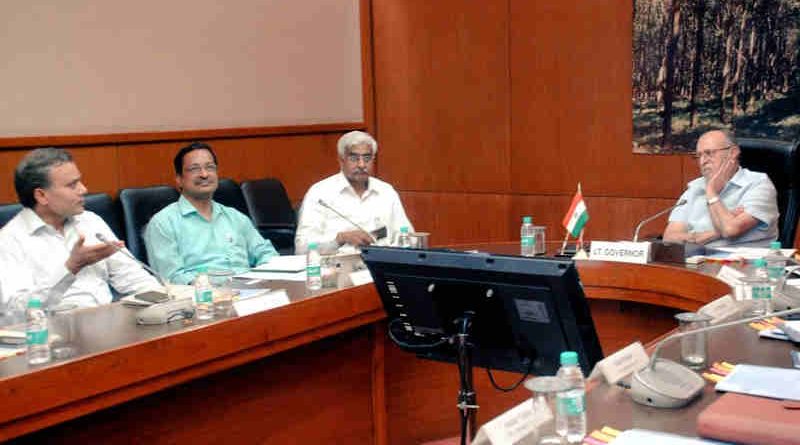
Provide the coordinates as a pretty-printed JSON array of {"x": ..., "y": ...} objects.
[
  {"x": 520, "y": 424},
  {"x": 621, "y": 251}
]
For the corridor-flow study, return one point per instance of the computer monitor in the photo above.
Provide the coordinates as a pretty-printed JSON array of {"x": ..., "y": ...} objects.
[{"x": 524, "y": 311}]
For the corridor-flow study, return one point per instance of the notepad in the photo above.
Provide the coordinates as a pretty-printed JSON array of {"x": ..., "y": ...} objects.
[
  {"x": 764, "y": 381},
  {"x": 638, "y": 436},
  {"x": 283, "y": 263}
]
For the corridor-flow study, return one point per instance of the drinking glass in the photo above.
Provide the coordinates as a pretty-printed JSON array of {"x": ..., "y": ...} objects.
[
  {"x": 222, "y": 285},
  {"x": 62, "y": 330},
  {"x": 545, "y": 391},
  {"x": 694, "y": 348}
]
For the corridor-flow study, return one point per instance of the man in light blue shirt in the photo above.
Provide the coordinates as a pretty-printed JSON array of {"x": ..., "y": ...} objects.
[
  {"x": 729, "y": 205},
  {"x": 196, "y": 231}
]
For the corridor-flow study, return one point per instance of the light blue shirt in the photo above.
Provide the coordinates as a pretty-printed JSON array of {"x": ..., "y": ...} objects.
[
  {"x": 753, "y": 191},
  {"x": 179, "y": 241}
]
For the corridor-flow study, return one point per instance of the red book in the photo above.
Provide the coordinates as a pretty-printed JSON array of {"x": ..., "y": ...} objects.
[{"x": 751, "y": 420}]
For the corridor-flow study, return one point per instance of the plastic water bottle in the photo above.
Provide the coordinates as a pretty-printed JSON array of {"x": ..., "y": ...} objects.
[
  {"x": 761, "y": 288},
  {"x": 527, "y": 237},
  {"x": 571, "y": 419},
  {"x": 36, "y": 333},
  {"x": 203, "y": 296},
  {"x": 313, "y": 268},
  {"x": 404, "y": 240},
  {"x": 776, "y": 263}
]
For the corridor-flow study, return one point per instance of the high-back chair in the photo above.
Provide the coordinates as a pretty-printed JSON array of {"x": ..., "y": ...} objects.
[
  {"x": 138, "y": 206},
  {"x": 778, "y": 159},
  {"x": 272, "y": 212}
]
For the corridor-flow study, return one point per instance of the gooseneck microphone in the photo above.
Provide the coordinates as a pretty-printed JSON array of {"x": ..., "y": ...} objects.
[
  {"x": 667, "y": 384},
  {"x": 650, "y": 218},
  {"x": 155, "y": 274},
  {"x": 341, "y": 215}
]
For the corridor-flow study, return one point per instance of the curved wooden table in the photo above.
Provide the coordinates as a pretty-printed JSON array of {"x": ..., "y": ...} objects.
[{"x": 317, "y": 370}]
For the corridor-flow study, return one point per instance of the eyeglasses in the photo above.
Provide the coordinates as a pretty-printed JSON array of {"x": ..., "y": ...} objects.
[
  {"x": 712, "y": 152},
  {"x": 195, "y": 169},
  {"x": 354, "y": 157}
]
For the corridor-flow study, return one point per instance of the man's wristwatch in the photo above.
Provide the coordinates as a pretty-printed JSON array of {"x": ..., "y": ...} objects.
[{"x": 712, "y": 200}]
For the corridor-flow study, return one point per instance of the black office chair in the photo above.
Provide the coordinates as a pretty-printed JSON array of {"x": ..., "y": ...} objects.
[
  {"x": 272, "y": 212},
  {"x": 104, "y": 207},
  {"x": 228, "y": 193},
  {"x": 138, "y": 206},
  {"x": 778, "y": 159},
  {"x": 8, "y": 211}
]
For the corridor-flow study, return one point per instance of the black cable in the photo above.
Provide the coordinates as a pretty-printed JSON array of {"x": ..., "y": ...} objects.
[
  {"x": 515, "y": 385},
  {"x": 405, "y": 345}
]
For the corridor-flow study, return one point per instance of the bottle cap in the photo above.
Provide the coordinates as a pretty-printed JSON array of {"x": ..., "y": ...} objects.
[
  {"x": 526, "y": 219},
  {"x": 569, "y": 358},
  {"x": 404, "y": 229},
  {"x": 312, "y": 246},
  {"x": 775, "y": 245},
  {"x": 34, "y": 302},
  {"x": 760, "y": 262}
]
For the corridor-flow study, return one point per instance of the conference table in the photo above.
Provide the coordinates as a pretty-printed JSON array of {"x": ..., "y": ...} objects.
[{"x": 319, "y": 369}]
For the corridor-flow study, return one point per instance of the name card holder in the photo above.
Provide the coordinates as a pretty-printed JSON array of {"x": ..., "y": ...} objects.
[
  {"x": 621, "y": 251},
  {"x": 622, "y": 363},
  {"x": 518, "y": 425}
]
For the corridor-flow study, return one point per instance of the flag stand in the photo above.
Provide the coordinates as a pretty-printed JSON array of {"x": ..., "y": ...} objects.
[{"x": 577, "y": 215}]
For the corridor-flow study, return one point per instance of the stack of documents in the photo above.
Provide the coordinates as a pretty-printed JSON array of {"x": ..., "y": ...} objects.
[{"x": 284, "y": 267}]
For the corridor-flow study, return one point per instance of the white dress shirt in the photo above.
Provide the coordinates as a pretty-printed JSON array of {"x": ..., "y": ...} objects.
[
  {"x": 753, "y": 191},
  {"x": 378, "y": 207},
  {"x": 33, "y": 254}
]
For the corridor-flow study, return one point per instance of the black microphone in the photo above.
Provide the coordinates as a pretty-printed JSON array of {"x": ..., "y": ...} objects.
[
  {"x": 155, "y": 274},
  {"x": 357, "y": 226},
  {"x": 648, "y": 219},
  {"x": 667, "y": 384}
]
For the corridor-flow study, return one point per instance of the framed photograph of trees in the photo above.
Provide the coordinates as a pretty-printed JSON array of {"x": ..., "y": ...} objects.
[{"x": 705, "y": 64}]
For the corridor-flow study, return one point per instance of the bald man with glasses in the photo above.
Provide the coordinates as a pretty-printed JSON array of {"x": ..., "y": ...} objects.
[
  {"x": 729, "y": 205},
  {"x": 352, "y": 208}
]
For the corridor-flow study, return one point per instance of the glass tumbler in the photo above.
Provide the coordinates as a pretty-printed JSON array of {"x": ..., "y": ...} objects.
[
  {"x": 694, "y": 347},
  {"x": 545, "y": 390}
]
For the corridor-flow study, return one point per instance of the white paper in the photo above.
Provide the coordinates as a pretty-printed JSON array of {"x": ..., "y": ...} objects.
[
  {"x": 764, "y": 381},
  {"x": 285, "y": 276},
  {"x": 640, "y": 437},
  {"x": 361, "y": 277},
  {"x": 264, "y": 302},
  {"x": 751, "y": 253},
  {"x": 284, "y": 263}
]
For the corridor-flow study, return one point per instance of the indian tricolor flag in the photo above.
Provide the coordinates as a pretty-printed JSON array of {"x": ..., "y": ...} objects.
[{"x": 576, "y": 216}]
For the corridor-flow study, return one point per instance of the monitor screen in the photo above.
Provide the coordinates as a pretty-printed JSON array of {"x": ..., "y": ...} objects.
[{"x": 525, "y": 311}]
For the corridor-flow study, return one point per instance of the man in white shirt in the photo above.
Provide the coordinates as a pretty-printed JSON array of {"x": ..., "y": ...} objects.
[
  {"x": 729, "y": 205},
  {"x": 51, "y": 248},
  {"x": 373, "y": 205}
]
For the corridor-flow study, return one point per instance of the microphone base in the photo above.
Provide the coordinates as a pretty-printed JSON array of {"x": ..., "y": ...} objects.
[
  {"x": 666, "y": 385},
  {"x": 665, "y": 252}
]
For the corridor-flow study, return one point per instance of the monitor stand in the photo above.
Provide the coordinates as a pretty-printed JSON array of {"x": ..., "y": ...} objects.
[{"x": 467, "y": 398}]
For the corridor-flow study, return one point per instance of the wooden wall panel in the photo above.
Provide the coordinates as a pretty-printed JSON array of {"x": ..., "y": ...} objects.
[
  {"x": 610, "y": 218},
  {"x": 571, "y": 103},
  {"x": 143, "y": 165},
  {"x": 554, "y": 99},
  {"x": 9, "y": 160},
  {"x": 458, "y": 217},
  {"x": 442, "y": 97}
]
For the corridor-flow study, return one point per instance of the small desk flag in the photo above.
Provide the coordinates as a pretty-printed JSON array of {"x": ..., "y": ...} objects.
[{"x": 577, "y": 215}]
